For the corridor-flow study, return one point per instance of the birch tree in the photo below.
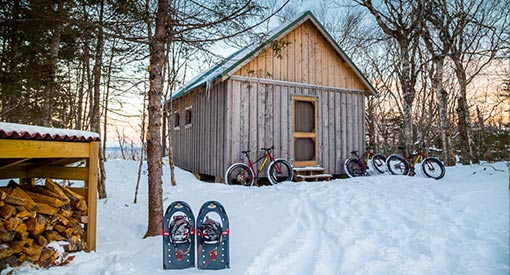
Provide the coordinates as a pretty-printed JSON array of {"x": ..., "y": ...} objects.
[{"x": 399, "y": 20}]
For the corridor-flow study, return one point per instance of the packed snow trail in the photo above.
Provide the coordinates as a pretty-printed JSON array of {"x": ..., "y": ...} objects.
[{"x": 371, "y": 225}]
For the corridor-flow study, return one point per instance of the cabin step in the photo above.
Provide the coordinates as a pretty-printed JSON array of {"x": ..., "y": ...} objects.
[
  {"x": 315, "y": 177},
  {"x": 309, "y": 169}
]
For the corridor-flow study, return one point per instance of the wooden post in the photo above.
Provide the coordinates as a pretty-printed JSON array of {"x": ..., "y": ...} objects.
[{"x": 91, "y": 185}]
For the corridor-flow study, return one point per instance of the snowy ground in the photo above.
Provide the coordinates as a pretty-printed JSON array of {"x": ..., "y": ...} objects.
[{"x": 372, "y": 225}]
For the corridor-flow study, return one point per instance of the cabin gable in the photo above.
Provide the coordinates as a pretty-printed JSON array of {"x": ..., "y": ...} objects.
[{"x": 303, "y": 55}]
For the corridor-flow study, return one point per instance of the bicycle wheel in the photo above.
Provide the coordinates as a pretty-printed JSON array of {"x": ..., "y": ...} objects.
[
  {"x": 397, "y": 165},
  {"x": 239, "y": 174},
  {"x": 353, "y": 168},
  {"x": 433, "y": 168},
  {"x": 279, "y": 170},
  {"x": 379, "y": 163}
]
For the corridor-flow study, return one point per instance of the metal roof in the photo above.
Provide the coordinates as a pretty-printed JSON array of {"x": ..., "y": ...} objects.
[
  {"x": 237, "y": 60},
  {"x": 30, "y": 132}
]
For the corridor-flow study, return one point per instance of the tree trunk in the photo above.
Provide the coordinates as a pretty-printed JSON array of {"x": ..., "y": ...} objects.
[
  {"x": 408, "y": 96},
  {"x": 157, "y": 58},
  {"x": 442, "y": 97},
  {"x": 106, "y": 100},
  {"x": 51, "y": 84},
  {"x": 96, "y": 114},
  {"x": 142, "y": 139},
  {"x": 171, "y": 162},
  {"x": 481, "y": 148},
  {"x": 464, "y": 120},
  {"x": 370, "y": 121}
]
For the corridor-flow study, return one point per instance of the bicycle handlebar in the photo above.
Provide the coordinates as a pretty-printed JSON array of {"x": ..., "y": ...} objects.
[{"x": 267, "y": 149}]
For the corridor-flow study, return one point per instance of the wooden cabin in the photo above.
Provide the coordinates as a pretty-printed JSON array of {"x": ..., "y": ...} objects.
[{"x": 296, "y": 90}]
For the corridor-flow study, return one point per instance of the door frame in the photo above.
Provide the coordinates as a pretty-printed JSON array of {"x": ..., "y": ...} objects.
[{"x": 313, "y": 135}]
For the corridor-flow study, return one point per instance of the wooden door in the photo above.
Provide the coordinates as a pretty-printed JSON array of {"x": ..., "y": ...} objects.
[{"x": 305, "y": 131}]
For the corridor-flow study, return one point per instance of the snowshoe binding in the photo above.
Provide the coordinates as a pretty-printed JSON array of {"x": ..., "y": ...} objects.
[
  {"x": 213, "y": 237},
  {"x": 178, "y": 236}
]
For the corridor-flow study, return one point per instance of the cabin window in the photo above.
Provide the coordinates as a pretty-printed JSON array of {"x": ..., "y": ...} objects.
[
  {"x": 177, "y": 120},
  {"x": 188, "y": 116}
]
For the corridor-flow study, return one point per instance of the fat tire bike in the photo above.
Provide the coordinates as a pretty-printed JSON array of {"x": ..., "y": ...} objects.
[
  {"x": 278, "y": 170},
  {"x": 405, "y": 164},
  {"x": 357, "y": 166}
]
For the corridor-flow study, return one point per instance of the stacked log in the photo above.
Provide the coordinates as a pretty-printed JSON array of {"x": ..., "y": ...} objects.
[{"x": 33, "y": 216}]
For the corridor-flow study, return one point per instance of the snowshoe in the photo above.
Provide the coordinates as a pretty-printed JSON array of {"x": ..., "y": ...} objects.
[
  {"x": 213, "y": 237},
  {"x": 178, "y": 236}
]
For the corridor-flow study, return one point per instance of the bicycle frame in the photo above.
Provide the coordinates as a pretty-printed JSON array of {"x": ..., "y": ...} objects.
[
  {"x": 367, "y": 156},
  {"x": 266, "y": 156},
  {"x": 363, "y": 160},
  {"x": 415, "y": 158}
]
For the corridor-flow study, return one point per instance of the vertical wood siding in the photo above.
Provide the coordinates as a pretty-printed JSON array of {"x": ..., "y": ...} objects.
[
  {"x": 309, "y": 58},
  {"x": 241, "y": 115}
]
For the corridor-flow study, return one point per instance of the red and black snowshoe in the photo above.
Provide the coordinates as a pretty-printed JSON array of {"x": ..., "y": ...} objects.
[
  {"x": 178, "y": 236},
  {"x": 213, "y": 237}
]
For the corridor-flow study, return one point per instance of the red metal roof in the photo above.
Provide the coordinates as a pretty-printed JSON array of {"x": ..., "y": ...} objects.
[{"x": 29, "y": 132}]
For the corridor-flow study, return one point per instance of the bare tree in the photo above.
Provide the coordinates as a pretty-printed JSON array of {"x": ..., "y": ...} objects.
[
  {"x": 157, "y": 58},
  {"x": 399, "y": 20},
  {"x": 480, "y": 25},
  {"x": 437, "y": 37},
  {"x": 96, "y": 114},
  {"x": 142, "y": 140}
]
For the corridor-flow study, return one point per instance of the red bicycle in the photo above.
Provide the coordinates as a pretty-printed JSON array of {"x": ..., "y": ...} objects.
[
  {"x": 405, "y": 164},
  {"x": 357, "y": 166},
  {"x": 279, "y": 170}
]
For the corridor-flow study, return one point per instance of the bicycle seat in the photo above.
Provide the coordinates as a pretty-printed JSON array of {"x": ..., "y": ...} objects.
[
  {"x": 245, "y": 152},
  {"x": 354, "y": 152},
  {"x": 267, "y": 149}
]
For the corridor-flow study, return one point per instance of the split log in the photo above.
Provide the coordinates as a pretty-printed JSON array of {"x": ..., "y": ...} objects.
[
  {"x": 77, "y": 200},
  {"x": 18, "y": 192},
  {"x": 5, "y": 251},
  {"x": 8, "y": 261},
  {"x": 42, "y": 199},
  {"x": 46, "y": 209},
  {"x": 54, "y": 188},
  {"x": 24, "y": 214},
  {"x": 6, "y": 236},
  {"x": 7, "y": 211},
  {"x": 32, "y": 216},
  {"x": 13, "y": 200},
  {"x": 12, "y": 223}
]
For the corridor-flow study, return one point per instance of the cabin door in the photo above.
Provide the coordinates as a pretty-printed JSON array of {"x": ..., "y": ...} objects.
[{"x": 305, "y": 131}]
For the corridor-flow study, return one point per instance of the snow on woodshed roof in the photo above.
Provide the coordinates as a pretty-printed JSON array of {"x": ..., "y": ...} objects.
[{"x": 23, "y": 131}]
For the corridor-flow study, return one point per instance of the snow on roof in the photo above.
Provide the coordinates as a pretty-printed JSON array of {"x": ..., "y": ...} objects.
[
  {"x": 229, "y": 63},
  {"x": 232, "y": 62},
  {"x": 23, "y": 131}
]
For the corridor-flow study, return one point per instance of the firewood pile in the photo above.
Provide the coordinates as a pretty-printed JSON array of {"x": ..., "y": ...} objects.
[{"x": 33, "y": 216}]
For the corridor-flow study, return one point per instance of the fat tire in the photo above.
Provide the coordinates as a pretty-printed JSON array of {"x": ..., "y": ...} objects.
[
  {"x": 238, "y": 179},
  {"x": 379, "y": 164},
  {"x": 397, "y": 160},
  {"x": 426, "y": 171},
  {"x": 349, "y": 164},
  {"x": 284, "y": 165}
]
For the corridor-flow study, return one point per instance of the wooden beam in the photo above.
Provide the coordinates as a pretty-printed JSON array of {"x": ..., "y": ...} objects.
[
  {"x": 16, "y": 148},
  {"x": 92, "y": 195},
  {"x": 294, "y": 84},
  {"x": 53, "y": 162},
  {"x": 13, "y": 162},
  {"x": 71, "y": 173}
]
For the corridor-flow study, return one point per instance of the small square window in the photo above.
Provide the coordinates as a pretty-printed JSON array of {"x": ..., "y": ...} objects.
[
  {"x": 177, "y": 120},
  {"x": 188, "y": 117}
]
